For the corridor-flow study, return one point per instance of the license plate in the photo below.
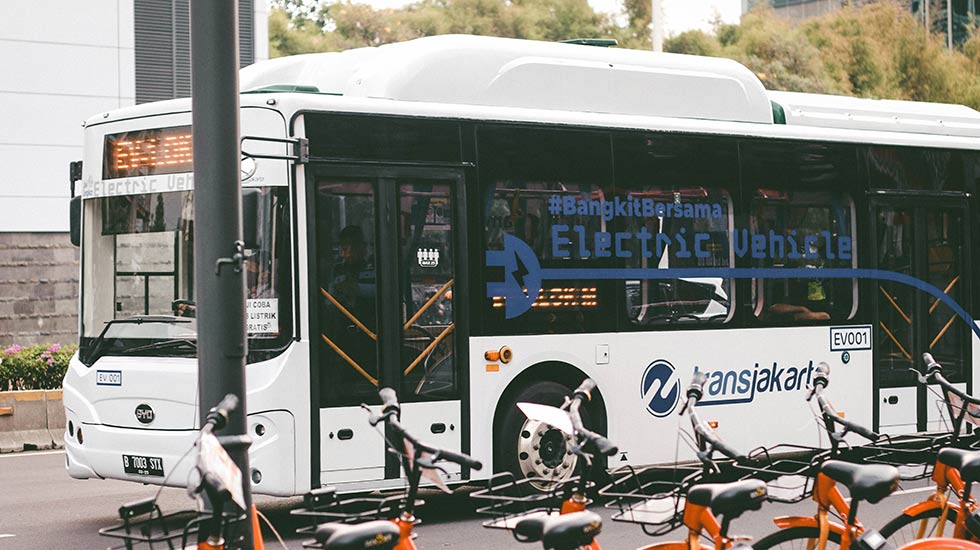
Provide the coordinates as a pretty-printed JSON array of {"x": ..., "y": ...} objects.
[{"x": 143, "y": 465}]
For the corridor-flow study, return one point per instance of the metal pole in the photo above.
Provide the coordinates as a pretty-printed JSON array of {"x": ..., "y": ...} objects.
[
  {"x": 657, "y": 22},
  {"x": 218, "y": 277},
  {"x": 949, "y": 24}
]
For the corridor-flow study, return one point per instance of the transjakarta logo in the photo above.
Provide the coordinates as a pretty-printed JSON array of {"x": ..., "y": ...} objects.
[
  {"x": 660, "y": 388},
  {"x": 742, "y": 386}
]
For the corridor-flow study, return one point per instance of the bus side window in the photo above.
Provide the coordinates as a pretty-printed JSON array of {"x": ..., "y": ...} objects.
[
  {"x": 801, "y": 229},
  {"x": 676, "y": 190},
  {"x": 552, "y": 190}
]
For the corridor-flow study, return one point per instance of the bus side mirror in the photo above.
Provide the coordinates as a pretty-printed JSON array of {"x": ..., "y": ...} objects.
[
  {"x": 250, "y": 217},
  {"x": 75, "y": 220}
]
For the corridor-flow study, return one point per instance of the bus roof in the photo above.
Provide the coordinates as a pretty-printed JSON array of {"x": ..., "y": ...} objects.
[
  {"x": 504, "y": 72},
  {"x": 486, "y": 78},
  {"x": 885, "y": 115}
]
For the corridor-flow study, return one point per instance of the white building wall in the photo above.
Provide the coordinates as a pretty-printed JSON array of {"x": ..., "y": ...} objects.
[
  {"x": 60, "y": 62},
  {"x": 261, "y": 30}
]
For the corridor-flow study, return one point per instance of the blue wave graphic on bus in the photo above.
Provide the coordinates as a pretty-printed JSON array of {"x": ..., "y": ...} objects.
[{"x": 523, "y": 275}]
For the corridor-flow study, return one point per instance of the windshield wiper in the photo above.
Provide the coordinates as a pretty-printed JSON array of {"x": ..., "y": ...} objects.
[
  {"x": 183, "y": 344},
  {"x": 94, "y": 356}
]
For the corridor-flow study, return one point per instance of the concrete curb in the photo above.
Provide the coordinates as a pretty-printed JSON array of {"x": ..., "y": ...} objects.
[{"x": 29, "y": 420}]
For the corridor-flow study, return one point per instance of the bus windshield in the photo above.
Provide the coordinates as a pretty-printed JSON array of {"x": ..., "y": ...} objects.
[{"x": 138, "y": 276}]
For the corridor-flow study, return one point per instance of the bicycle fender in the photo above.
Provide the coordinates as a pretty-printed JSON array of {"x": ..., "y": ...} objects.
[
  {"x": 919, "y": 507},
  {"x": 785, "y": 522},
  {"x": 676, "y": 545},
  {"x": 941, "y": 544}
]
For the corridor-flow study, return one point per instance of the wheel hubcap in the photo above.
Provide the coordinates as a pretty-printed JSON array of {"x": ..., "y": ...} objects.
[{"x": 543, "y": 452}]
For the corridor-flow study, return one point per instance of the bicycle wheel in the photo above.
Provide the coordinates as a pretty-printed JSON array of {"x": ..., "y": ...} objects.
[
  {"x": 905, "y": 528},
  {"x": 795, "y": 538}
]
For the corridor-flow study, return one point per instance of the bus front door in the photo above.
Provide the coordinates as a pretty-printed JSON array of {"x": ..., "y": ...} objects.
[
  {"x": 388, "y": 253},
  {"x": 926, "y": 239}
]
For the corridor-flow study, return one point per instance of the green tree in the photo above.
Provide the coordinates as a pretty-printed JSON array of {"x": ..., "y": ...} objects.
[
  {"x": 694, "y": 42},
  {"x": 877, "y": 50}
]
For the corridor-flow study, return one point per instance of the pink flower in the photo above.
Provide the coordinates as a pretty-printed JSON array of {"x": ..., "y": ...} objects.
[
  {"x": 12, "y": 350},
  {"x": 54, "y": 348}
]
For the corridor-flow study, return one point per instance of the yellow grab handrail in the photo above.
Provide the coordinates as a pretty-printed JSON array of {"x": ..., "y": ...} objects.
[
  {"x": 948, "y": 288},
  {"x": 892, "y": 336},
  {"x": 428, "y": 349},
  {"x": 350, "y": 361},
  {"x": 428, "y": 303},
  {"x": 895, "y": 305},
  {"x": 942, "y": 332},
  {"x": 349, "y": 315}
]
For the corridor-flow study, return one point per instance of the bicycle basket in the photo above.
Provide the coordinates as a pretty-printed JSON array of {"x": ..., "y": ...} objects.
[
  {"x": 914, "y": 454},
  {"x": 143, "y": 525},
  {"x": 652, "y": 497},
  {"x": 326, "y": 506},
  {"x": 509, "y": 500},
  {"x": 788, "y": 470}
]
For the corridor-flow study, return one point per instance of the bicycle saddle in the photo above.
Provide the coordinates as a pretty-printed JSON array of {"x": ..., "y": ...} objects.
[
  {"x": 870, "y": 482},
  {"x": 729, "y": 499},
  {"x": 377, "y": 535},
  {"x": 966, "y": 461},
  {"x": 562, "y": 532}
]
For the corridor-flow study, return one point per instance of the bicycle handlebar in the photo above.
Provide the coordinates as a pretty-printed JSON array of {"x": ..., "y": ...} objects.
[
  {"x": 217, "y": 417},
  {"x": 389, "y": 413},
  {"x": 389, "y": 400},
  {"x": 584, "y": 392},
  {"x": 694, "y": 393},
  {"x": 458, "y": 458},
  {"x": 934, "y": 375},
  {"x": 849, "y": 426}
]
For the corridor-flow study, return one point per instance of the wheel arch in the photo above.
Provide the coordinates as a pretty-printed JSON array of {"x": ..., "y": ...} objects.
[{"x": 558, "y": 372}]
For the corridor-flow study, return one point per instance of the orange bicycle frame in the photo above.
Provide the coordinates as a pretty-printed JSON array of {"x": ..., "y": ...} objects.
[
  {"x": 405, "y": 525},
  {"x": 578, "y": 503},
  {"x": 827, "y": 496},
  {"x": 946, "y": 478},
  {"x": 258, "y": 543},
  {"x": 697, "y": 519}
]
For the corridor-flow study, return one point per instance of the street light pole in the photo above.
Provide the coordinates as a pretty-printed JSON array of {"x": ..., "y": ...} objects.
[
  {"x": 949, "y": 24},
  {"x": 657, "y": 23},
  {"x": 219, "y": 280}
]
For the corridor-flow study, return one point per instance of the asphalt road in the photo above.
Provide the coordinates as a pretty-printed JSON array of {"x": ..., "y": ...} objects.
[{"x": 42, "y": 508}]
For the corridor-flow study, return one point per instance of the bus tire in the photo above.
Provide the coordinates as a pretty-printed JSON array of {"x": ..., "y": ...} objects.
[{"x": 528, "y": 449}]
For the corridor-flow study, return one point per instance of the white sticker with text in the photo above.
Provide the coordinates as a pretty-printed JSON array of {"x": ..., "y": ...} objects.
[{"x": 262, "y": 316}]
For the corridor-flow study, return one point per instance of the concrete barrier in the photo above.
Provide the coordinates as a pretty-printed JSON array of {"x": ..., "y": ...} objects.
[{"x": 31, "y": 420}]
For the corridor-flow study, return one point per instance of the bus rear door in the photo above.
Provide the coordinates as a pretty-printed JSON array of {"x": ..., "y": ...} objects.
[{"x": 925, "y": 237}]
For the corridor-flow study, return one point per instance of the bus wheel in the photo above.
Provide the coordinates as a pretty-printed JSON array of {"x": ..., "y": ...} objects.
[{"x": 531, "y": 449}]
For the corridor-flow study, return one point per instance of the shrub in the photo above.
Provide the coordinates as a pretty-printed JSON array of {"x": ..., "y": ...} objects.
[{"x": 39, "y": 367}]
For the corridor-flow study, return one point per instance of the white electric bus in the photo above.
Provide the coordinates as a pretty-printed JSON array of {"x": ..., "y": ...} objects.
[{"x": 480, "y": 221}]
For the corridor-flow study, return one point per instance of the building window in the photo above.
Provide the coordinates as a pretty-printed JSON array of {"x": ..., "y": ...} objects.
[{"x": 163, "y": 47}]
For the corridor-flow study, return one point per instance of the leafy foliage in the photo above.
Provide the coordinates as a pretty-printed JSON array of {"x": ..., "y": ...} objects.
[
  {"x": 877, "y": 50},
  {"x": 40, "y": 367}
]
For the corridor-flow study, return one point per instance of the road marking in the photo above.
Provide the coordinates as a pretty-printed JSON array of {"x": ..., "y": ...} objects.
[
  {"x": 30, "y": 453},
  {"x": 7, "y": 536}
]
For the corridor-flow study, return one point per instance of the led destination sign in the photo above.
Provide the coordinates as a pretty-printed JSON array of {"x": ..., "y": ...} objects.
[{"x": 148, "y": 152}]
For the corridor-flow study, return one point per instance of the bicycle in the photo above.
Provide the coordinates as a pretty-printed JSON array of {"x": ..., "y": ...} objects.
[
  {"x": 665, "y": 504},
  {"x": 558, "y": 517},
  {"x": 395, "y": 530},
  {"x": 954, "y": 471},
  {"x": 219, "y": 478},
  {"x": 871, "y": 482}
]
